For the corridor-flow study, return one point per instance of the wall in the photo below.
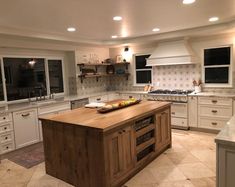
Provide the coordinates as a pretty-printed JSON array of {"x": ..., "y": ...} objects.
[{"x": 177, "y": 76}]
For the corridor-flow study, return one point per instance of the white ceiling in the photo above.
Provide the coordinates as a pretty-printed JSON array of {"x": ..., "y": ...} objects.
[{"x": 93, "y": 18}]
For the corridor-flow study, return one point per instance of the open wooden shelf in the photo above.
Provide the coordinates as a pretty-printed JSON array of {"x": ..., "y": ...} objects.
[
  {"x": 97, "y": 76},
  {"x": 96, "y": 65},
  {"x": 144, "y": 145}
]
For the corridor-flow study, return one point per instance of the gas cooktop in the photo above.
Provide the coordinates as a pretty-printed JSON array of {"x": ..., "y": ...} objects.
[{"x": 171, "y": 92}]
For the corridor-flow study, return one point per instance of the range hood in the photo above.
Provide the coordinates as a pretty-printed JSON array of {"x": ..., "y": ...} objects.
[{"x": 172, "y": 53}]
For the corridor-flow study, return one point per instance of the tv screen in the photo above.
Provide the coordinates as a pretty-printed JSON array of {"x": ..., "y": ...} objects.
[{"x": 217, "y": 56}]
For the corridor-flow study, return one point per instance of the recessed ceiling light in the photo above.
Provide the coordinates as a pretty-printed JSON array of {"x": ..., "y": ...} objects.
[
  {"x": 156, "y": 30},
  {"x": 188, "y": 1},
  {"x": 114, "y": 36},
  {"x": 71, "y": 29},
  {"x": 117, "y": 18},
  {"x": 212, "y": 19}
]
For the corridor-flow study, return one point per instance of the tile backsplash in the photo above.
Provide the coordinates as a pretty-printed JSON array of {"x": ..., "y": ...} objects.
[{"x": 176, "y": 77}]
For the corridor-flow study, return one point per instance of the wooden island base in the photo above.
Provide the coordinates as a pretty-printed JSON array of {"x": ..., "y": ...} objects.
[{"x": 88, "y": 149}]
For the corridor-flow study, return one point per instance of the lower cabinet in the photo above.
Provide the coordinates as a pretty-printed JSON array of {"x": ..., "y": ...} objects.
[
  {"x": 132, "y": 147},
  {"x": 163, "y": 132},
  {"x": 26, "y": 127},
  {"x": 120, "y": 153}
]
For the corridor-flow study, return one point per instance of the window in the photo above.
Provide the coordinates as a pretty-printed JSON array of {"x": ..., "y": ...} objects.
[
  {"x": 55, "y": 76},
  {"x": 143, "y": 73},
  {"x": 217, "y": 67},
  {"x": 26, "y": 77}
]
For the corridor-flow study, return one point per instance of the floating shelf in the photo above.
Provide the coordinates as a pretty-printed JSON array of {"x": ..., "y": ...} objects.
[
  {"x": 81, "y": 65},
  {"x": 97, "y": 76}
]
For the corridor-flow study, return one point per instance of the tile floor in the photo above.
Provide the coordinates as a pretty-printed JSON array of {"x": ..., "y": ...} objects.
[{"x": 189, "y": 163}]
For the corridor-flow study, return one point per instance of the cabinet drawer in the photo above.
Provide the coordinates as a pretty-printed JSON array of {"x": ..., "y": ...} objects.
[
  {"x": 179, "y": 122},
  {"x": 225, "y": 112},
  {"x": 179, "y": 110},
  {"x": 54, "y": 108},
  {"x": 212, "y": 123},
  {"x": 5, "y": 127},
  {"x": 215, "y": 101},
  {"x": 5, "y": 117},
  {"x": 6, "y": 137},
  {"x": 7, "y": 147}
]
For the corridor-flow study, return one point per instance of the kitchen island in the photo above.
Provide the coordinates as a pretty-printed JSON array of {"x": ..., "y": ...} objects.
[{"x": 89, "y": 149}]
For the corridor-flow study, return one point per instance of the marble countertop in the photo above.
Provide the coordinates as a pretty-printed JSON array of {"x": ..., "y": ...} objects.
[
  {"x": 213, "y": 94},
  {"x": 227, "y": 134}
]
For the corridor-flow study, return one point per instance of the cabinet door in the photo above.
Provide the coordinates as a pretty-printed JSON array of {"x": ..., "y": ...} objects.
[
  {"x": 128, "y": 149},
  {"x": 192, "y": 111},
  {"x": 166, "y": 128},
  {"x": 115, "y": 153},
  {"x": 163, "y": 129},
  {"x": 26, "y": 127}
]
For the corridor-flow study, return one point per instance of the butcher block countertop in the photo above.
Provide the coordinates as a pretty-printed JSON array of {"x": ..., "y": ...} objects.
[{"x": 90, "y": 118}]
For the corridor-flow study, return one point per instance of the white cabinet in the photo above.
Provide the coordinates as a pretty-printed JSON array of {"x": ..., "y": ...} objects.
[
  {"x": 7, "y": 142},
  {"x": 214, "y": 112},
  {"x": 131, "y": 95},
  {"x": 192, "y": 111},
  {"x": 101, "y": 98},
  {"x": 113, "y": 96},
  {"x": 26, "y": 127},
  {"x": 225, "y": 162},
  {"x": 55, "y": 108}
]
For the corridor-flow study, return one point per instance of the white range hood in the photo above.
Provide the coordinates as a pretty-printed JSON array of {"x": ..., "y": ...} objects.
[{"x": 172, "y": 53}]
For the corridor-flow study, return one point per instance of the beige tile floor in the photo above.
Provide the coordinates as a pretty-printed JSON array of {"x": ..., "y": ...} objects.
[{"x": 189, "y": 163}]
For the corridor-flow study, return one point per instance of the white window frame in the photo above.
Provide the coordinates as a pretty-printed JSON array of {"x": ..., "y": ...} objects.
[
  {"x": 46, "y": 58},
  {"x": 136, "y": 70},
  {"x": 230, "y": 71}
]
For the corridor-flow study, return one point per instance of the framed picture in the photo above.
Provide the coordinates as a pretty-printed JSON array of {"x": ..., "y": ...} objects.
[{"x": 119, "y": 59}]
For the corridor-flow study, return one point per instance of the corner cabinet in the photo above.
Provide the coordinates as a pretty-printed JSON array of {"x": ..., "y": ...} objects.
[{"x": 26, "y": 127}]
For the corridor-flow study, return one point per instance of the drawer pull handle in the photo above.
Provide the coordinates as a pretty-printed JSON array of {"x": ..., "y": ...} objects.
[
  {"x": 120, "y": 132},
  {"x": 98, "y": 99},
  {"x": 25, "y": 115},
  {"x": 173, "y": 113},
  {"x": 214, "y": 111},
  {"x": 214, "y": 123},
  {"x": 130, "y": 96},
  {"x": 214, "y": 101}
]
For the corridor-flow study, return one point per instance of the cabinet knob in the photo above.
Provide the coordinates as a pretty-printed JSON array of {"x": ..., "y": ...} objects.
[
  {"x": 214, "y": 111},
  {"x": 4, "y": 118},
  {"x": 123, "y": 130},
  {"x": 5, "y": 128},
  {"x": 214, "y": 101},
  {"x": 6, "y": 138},
  {"x": 7, "y": 147},
  {"x": 25, "y": 115}
]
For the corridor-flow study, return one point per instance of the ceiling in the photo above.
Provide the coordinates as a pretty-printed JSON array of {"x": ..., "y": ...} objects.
[{"x": 93, "y": 18}]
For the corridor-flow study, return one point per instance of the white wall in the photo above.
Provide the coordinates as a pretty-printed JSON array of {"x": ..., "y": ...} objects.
[{"x": 182, "y": 75}]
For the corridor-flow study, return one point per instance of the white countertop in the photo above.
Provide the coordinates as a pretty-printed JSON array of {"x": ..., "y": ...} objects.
[
  {"x": 213, "y": 94},
  {"x": 227, "y": 134}
]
